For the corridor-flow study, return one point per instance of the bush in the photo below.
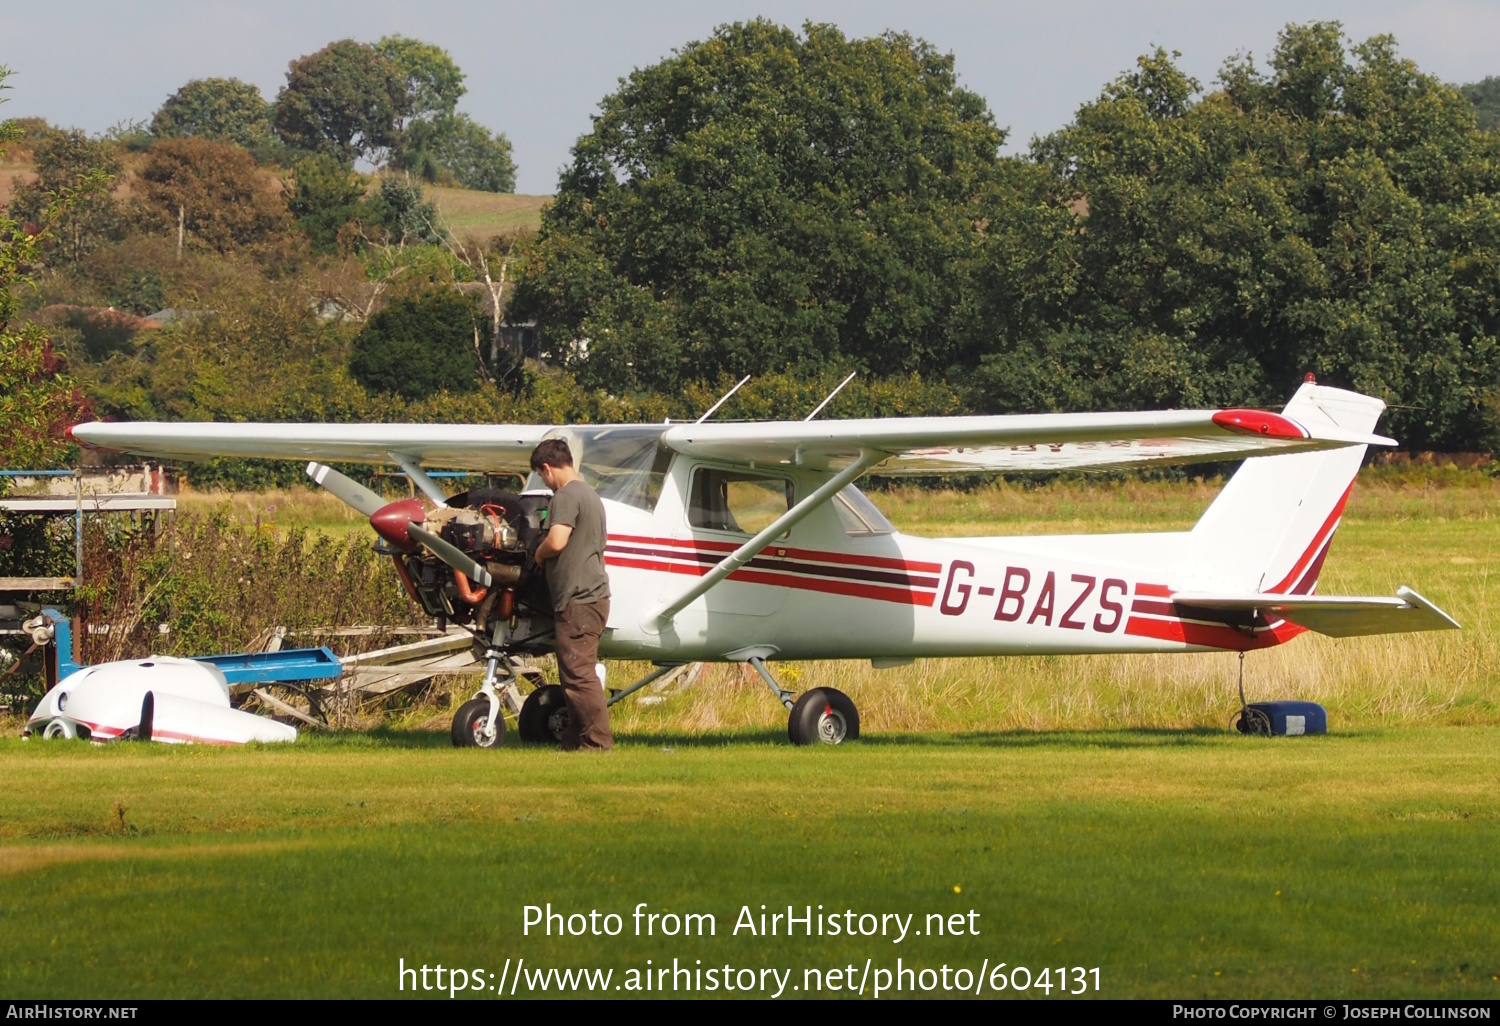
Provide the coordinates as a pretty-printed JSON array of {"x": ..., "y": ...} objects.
[
  {"x": 224, "y": 199},
  {"x": 416, "y": 347},
  {"x": 217, "y": 583}
]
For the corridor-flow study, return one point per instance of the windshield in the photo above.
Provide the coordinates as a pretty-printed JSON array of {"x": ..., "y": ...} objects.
[{"x": 623, "y": 463}]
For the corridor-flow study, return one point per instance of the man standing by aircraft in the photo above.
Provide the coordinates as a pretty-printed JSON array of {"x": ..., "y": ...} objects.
[{"x": 572, "y": 554}]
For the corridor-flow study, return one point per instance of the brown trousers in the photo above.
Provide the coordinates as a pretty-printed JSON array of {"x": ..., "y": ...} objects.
[{"x": 578, "y": 629}]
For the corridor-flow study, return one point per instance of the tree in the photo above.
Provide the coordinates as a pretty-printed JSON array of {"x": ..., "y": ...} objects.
[
  {"x": 437, "y": 143},
  {"x": 1335, "y": 214},
  {"x": 222, "y": 109},
  {"x": 462, "y": 149},
  {"x": 63, "y": 162},
  {"x": 37, "y": 398},
  {"x": 213, "y": 192},
  {"x": 762, "y": 199},
  {"x": 325, "y": 196},
  {"x": 1485, "y": 96},
  {"x": 419, "y": 346},
  {"x": 490, "y": 264},
  {"x": 399, "y": 214},
  {"x": 433, "y": 82},
  {"x": 345, "y": 100}
]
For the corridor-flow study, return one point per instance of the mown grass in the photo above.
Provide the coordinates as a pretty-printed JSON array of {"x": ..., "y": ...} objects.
[{"x": 1182, "y": 863}]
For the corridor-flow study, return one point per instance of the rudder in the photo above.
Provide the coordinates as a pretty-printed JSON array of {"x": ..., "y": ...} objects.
[{"x": 1270, "y": 528}]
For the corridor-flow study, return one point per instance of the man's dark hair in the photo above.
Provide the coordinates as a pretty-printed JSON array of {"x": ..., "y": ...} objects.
[{"x": 552, "y": 451}]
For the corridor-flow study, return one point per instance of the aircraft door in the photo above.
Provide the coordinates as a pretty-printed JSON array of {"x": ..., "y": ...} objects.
[{"x": 725, "y": 508}]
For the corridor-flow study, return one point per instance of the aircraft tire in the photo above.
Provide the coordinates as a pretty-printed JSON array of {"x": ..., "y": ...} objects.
[
  {"x": 823, "y": 716},
  {"x": 544, "y": 715},
  {"x": 469, "y": 723}
]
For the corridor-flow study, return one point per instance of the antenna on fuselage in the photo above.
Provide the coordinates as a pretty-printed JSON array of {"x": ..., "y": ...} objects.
[
  {"x": 724, "y": 399},
  {"x": 819, "y": 408}
]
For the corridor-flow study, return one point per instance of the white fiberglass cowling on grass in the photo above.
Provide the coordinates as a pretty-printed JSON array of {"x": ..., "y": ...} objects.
[{"x": 161, "y": 698}]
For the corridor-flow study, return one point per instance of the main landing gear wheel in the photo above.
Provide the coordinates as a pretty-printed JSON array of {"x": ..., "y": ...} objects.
[
  {"x": 469, "y": 725},
  {"x": 544, "y": 715},
  {"x": 823, "y": 716}
]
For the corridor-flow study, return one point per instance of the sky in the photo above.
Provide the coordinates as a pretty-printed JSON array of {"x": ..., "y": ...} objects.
[{"x": 537, "y": 70}]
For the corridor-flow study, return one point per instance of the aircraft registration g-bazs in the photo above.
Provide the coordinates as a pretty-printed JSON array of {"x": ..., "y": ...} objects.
[{"x": 748, "y": 542}]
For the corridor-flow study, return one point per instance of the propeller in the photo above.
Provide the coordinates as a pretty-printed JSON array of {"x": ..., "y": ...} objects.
[
  {"x": 346, "y": 488},
  {"x": 451, "y": 555},
  {"x": 397, "y": 522}
]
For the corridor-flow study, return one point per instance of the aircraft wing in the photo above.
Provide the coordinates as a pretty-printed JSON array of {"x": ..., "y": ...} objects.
[
  {"x": 1333, "y": 615},
  {"x": 916, "y": 445},
  {"x": 493, "y": 448},
  {"x": 1024, "y": 442}
]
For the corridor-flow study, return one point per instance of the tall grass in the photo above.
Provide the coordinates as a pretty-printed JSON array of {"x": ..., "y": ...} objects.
[
  {"x": 215, "y": 582},
  {"x": 236, "y": 565}
]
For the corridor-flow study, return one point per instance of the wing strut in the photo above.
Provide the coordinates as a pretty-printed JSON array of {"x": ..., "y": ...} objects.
[
  {"x": 655, "y": 621},
  {"x": 414, "y": 471}
]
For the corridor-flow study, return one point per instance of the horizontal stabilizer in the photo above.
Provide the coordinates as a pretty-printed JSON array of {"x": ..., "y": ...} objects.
[{"x": 1338, "y": 616}]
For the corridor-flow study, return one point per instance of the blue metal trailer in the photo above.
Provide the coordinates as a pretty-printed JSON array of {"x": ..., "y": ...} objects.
[{"x": 293, "y": 664}]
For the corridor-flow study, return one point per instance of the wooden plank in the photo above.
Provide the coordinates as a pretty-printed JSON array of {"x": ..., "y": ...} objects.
[
  {"x": 282, "y": 707},
  {"x": 36, "y": 583},
  {"x": 91, "y": 504}
]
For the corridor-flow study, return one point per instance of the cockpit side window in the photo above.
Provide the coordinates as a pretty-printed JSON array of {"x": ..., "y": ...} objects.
[
  {"x": 858, "y": 515},
  {"x": 724, "y": 500}
]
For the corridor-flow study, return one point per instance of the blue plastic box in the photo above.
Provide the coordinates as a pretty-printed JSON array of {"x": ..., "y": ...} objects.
[{"x": 1288, "y": 719}]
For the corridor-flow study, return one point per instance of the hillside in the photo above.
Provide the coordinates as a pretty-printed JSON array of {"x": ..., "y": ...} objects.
[
  {"x": 482, "y": 214},
  {"x": 470, "y": 213},
  {"x": 11, "y": 175}
]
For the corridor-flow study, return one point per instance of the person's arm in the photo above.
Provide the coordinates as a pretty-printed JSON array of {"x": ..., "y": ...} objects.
[{"x": 555, "y": 541}]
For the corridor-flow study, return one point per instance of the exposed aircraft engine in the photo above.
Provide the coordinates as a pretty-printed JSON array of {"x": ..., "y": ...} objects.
[{"x": 496, "y": 530}]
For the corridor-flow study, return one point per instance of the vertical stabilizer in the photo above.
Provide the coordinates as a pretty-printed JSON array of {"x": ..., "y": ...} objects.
[{"x": 1270, "y": 528}]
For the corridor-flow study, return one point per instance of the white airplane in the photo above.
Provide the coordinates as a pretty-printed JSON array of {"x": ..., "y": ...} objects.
[{"x": 748, "y": 542}]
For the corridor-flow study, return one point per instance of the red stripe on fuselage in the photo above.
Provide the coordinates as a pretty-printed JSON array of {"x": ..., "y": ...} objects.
[
  {"x": 817, "y": 555},
  {"x": 905, "y": 596},
  {"x": 780, "y": 564},
  {"x": 1210, "y": 635}
]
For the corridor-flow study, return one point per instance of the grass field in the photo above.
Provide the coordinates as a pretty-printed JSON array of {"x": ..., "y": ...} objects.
[
  {"x": 480, "y": 215},
  {"x": 1092, "y": 811},
  {"x": 1180, "y": 863}
]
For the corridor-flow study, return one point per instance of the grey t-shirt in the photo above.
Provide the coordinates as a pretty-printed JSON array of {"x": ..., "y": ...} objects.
[{"x": 577, "y": 573}]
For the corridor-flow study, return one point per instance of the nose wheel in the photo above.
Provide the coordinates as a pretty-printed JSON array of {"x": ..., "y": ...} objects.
[{"x": 471, "y": 726}]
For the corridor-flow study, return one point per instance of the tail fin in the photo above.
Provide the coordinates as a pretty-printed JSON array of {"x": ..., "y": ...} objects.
[{"x": 1270, "y": 528}]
